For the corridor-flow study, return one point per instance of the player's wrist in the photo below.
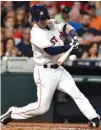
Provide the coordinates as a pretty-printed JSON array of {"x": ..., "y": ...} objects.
[
  {"x": 72, "y": 33},
  {"x": 75, "y": 43}
]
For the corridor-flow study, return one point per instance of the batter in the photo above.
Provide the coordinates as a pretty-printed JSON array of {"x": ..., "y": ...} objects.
[{"x": 47, "y": 47}]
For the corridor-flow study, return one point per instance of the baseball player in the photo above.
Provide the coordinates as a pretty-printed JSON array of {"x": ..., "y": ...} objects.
[{"x": 47, "y": 47}]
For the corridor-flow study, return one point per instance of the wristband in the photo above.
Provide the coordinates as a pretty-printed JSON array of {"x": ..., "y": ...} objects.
[{"x": 72, "y": 33}]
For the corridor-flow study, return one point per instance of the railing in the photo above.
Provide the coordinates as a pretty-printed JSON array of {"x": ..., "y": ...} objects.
[{"x": 25, "y": 64}]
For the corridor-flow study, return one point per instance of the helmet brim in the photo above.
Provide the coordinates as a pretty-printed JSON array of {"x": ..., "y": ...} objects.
[{"x": 41, "y": 19}]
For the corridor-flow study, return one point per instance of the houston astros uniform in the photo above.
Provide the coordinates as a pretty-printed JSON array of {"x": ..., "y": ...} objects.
[{"x": 48, "y": 78}]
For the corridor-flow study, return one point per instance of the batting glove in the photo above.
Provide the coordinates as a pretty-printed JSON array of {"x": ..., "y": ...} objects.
[{"x": 75, "y": 41}]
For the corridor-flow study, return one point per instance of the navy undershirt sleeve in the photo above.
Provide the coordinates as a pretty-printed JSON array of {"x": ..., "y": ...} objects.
[{"x": 55, "y": 50}]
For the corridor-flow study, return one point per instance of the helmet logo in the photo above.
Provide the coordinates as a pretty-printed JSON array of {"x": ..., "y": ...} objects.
[{"x": 41, "y": 13}]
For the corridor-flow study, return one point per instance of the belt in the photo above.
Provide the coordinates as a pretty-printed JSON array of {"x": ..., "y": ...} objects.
[{"x": 55, "y": 66}]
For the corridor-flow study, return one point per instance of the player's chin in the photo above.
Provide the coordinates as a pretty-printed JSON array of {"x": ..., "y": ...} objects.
[{"x": 44, "y": 26}]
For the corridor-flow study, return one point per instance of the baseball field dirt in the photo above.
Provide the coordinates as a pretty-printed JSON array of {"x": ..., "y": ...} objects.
[{"x": 47, "y": 126}]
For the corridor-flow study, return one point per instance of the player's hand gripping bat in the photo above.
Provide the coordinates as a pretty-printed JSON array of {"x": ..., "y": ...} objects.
[{"x": 63, "y": 57}]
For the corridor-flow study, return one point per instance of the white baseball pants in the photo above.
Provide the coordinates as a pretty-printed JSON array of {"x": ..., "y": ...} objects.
[{"x": 47, "y": 81}]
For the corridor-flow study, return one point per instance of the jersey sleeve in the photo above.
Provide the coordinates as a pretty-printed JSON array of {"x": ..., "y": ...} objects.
[
  {"x": 59, "y": 25},
  {"x": 39, "y": 39}
]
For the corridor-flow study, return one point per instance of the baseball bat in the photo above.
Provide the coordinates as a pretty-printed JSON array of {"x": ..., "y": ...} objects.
[{"x": 63, "y": 57}]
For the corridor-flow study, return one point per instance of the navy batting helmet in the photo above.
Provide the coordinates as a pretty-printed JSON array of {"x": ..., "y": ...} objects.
[{"x": 39, "y": 12}]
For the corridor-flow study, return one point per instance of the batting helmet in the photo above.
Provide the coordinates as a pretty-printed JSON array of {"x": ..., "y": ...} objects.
[{"x": 39, "y": 12}]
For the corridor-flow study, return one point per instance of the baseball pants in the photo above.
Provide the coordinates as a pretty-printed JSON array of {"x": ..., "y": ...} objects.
[{"x": 47, "y": 81}]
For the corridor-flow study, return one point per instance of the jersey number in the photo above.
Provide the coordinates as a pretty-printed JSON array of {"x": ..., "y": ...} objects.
[{"x": 53, "y": 40}]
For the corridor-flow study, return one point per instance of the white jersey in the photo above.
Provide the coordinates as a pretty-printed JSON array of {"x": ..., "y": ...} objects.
[{"x": 43, "y": 38}]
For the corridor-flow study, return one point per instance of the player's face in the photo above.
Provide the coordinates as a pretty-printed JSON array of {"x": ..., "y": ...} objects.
[{"x": 42, "y": 24}]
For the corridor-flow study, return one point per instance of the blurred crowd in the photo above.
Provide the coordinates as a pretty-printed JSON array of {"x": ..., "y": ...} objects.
[{"x": 16, "y": 24}]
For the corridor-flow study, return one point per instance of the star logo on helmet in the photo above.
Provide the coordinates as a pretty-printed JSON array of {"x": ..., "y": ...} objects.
[{"x": 41, "y": 13}]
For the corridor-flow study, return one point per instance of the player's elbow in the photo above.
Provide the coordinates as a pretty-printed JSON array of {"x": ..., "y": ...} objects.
[{"x": 48, "y": 51}]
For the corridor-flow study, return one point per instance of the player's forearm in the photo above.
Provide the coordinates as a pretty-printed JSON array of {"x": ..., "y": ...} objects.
[
  {"x": 55, "y": 50},
  {"x": 72, "y": 33},
  {"x": 70, "y": 30}
]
